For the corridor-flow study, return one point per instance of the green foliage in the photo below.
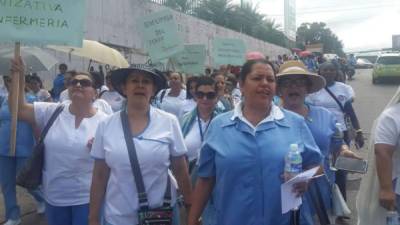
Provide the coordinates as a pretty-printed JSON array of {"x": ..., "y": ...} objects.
[
  {"x": 245, "y": 19},
  {"x": 314, "y": 33},
  {"x": 184, "y": 6}
]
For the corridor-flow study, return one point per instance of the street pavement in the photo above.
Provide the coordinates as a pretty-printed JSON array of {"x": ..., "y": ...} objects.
[{"x": 370, "y": 100}]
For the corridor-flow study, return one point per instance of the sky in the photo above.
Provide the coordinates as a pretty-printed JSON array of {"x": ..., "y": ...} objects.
[{"x": 360, "y": 24}]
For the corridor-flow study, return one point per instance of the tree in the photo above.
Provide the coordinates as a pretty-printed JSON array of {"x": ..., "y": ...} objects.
[
  {"x": 318, "y": 33},
  {"x": 217, "y": 11},
  {"x": 184, "y": 6}
]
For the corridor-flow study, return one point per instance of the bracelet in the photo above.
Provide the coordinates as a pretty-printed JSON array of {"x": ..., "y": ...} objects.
[{"x": 359, "y": 131}]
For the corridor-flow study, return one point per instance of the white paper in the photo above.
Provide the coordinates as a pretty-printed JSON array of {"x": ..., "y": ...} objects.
[{"x": 288, "y": 197}]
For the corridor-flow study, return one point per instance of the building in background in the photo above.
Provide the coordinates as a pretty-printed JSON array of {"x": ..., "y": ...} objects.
[
  {"x": 290, "y": 27},
  {"x": 396, "y": 42}
]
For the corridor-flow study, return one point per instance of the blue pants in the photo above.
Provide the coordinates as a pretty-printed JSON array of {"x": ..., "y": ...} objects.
[
  {"x": 67, "y": 215},
  {"x": 9, "y": 167},
  {"x": 209, "y": 216}
]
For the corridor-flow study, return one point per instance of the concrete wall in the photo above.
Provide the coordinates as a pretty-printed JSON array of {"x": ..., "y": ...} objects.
[{"x": 115, "y": 22}]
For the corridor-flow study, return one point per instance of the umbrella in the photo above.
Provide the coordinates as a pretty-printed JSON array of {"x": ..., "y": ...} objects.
[
  {"x": 95, "y": 51},
  {"x": 305, "y": 53},
  {"x": 254, "y": 56},
  {"x": 297, "y": 50},
  {"x": 36, "y": 59}
]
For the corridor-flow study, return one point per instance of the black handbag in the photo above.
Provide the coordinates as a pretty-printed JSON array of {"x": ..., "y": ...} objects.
[
  {"x": 146, "y": 216},
  {"x": 30, "y": 175}
]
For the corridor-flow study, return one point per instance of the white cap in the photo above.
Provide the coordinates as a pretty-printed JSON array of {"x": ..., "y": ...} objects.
[{"x": 294, "y": 147}]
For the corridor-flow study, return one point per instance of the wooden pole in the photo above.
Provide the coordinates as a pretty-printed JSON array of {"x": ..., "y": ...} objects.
[{"x": 14, "y": 101}]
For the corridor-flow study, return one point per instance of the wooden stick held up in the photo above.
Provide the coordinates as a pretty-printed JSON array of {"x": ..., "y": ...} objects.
[{"x": 14, "y": 101}]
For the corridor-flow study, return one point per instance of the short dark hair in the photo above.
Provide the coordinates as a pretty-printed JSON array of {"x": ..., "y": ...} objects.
[
  {"x": 98, "y": 79},
  {"x": 35, "y": 78},
  {"x": 204, "y": 80},
  {"x": 247, "y": 67},
  {"x": 63, "y": 65},
  {"x": 189, "y": 81}
]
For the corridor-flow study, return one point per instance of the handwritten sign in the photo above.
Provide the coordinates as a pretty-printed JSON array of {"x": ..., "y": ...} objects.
[
  {"x": 160, "y": 35},
  {"x": 42, "y": 21},
  {"x": 228, "y": 51},
  {"x": 191, "y": 59}
]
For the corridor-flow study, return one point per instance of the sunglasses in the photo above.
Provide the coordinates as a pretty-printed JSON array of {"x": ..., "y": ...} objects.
[
  {"x": 82, "y": 82},
  {"x": 295, "y": 82},
  {"x": 208, "y": 95}
]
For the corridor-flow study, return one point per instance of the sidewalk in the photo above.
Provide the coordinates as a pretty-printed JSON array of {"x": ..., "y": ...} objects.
[{"x": 28, "y": 209}]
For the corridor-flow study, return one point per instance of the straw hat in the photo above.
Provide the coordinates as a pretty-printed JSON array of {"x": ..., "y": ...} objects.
[
  {"x": 294, "y": 68},
  {"x": 118, "y": 77}
]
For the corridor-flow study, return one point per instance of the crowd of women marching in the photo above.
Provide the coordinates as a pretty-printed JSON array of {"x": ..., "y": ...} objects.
[{"x": 159, "y": 144}]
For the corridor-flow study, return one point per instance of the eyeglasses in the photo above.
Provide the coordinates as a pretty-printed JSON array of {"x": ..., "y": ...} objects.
[
  {"x": 295, "y": 82},
  {"x": 82, "y": 82},
  {"x": 208, "y": 95}
]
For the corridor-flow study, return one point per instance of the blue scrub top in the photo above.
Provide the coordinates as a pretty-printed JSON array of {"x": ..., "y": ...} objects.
[
  {"x": 58, "y": 86},
  {"x": 322, "y": 124},
  {"x": 25, "y": 138},
  {"x": 248, "y": 166}
]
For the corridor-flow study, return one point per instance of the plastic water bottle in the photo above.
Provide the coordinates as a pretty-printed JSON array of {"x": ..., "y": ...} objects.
[
  {"x": 338, "y": 133},
  {"x": 293, "y": 161},
  {"x": 392, "y": 218}
]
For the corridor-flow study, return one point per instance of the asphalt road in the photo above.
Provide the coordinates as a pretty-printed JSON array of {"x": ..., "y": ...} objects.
[{"x": 370, "y": 100}]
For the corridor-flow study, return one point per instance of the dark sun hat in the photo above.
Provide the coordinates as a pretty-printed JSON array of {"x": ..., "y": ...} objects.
[{"x": 118, "y": 77}]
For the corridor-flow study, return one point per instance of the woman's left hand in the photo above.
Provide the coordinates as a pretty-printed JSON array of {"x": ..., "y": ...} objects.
[
  {"x": 359, "y": 139},
  {"x": 300, "y": 188}
]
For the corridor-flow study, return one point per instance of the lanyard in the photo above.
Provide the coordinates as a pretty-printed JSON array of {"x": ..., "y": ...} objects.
[{"x": 200, "y": 128}]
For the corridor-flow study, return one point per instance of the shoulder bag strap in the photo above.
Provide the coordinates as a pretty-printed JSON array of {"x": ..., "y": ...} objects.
[
  {"x": 143, "y": 200},
  {"x": 49, "y": 123},
  {"x": 334, "y": 97},
  {"x": 101, "y": 93},
  {"x": 163, "y": 95}
]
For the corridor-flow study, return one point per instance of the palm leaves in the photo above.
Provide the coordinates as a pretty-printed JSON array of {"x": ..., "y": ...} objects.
[{"x": 245, "y": 18}]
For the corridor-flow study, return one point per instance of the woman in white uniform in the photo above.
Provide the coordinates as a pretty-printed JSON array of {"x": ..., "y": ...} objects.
[
  {"x": 157, "y": 142},
  {"x": 68, "y": 165},
  {"x": 171, "y": 100}
]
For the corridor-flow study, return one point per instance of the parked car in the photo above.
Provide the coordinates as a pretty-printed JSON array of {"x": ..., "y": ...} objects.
[
  {"x": 387, "y": 66},
  {"x": 364, "y": 64}
]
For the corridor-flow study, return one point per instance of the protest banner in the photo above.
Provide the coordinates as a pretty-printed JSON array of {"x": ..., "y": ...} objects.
[
  {"x": 42, "y": 21},
  {"x": 160, "y": 35},
  {"x": 191, "y": 59},
  {"x": 38, "y": 22},
  {"x": 228, "y": 51}
]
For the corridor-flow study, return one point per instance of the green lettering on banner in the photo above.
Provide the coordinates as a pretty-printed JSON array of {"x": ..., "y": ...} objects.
[
  {"x": 160, "y": 35},
  {"x": 42, "y": 21},
  {"x": 228, "y": 51},
  {"x": 191, "y": 60}
]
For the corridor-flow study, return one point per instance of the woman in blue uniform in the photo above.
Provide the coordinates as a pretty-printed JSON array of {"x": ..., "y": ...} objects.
[
  {"x": 242, "y": 158},
  {"x": 11, "y": 164},
  {"x": 294, "y": 83}
]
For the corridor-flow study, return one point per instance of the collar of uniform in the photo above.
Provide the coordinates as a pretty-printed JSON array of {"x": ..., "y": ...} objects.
[{"x": 276, "y": 114}]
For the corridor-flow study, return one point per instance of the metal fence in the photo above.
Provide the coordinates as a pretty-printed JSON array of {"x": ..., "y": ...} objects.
[{"x": 193, "y": 4}]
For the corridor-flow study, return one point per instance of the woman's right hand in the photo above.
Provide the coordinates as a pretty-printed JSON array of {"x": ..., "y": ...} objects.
[{"x": 387, "y": 199}]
